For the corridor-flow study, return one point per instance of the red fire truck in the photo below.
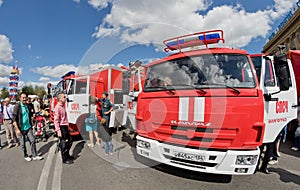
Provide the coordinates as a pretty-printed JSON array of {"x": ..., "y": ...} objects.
[
  {"x": 81, "y": 88},
  {"x": 201, "y": 108},
  {"x": 204, "y": 108},
  {"x": 294, "y": 56}
]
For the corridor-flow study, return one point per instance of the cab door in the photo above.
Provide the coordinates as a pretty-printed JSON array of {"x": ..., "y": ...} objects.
[
  {"x": 130, "y": 100},
  {"x": 279, "y": 100},
  {"x": 78, "y": 99}
]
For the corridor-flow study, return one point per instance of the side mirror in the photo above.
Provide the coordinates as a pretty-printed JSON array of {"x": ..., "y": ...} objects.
[
  {"x": 282, "y": 71},
  {"x": 68, "y": 100},
  {"x": 284, "y": 78},
  {"x": 126, "y": 74},
  {"x": 126, "y": 82},
  {"x": 268, "y": 98}
]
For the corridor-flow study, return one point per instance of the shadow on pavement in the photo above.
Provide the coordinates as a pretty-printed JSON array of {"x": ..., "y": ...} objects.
[
  {"x": 286, "y": 176},
  {"x": 129, "y": 140},
  {"x": 45, "y": 148},
  {"x": 286, "y": 149},
  {"x": 77, "y": 149},
  {"x": 193, "y": 175}
]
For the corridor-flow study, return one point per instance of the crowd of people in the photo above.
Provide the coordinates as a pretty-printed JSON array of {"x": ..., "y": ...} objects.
[{"x": 18, "y": 119}]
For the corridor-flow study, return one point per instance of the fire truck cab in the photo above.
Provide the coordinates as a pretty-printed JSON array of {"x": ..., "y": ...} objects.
[
  {"x": 205, "y": 109},
  {"x": 277, "y": 80}
]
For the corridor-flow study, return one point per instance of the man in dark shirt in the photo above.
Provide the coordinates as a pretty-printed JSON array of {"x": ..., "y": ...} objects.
[{"x": 31, "y": 110}]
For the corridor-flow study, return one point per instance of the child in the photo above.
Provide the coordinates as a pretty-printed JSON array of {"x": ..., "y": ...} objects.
[{"x": 91, "y": 124}]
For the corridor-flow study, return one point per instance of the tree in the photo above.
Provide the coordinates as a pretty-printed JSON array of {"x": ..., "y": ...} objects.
[
  {"x": 28, "y": 90},
  {"x": 39, "y": 91},
  {"x": 4, "y": 93}
]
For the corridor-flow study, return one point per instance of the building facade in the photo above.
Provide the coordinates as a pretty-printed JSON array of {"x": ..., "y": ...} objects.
[{"x": 287, "y": 34}]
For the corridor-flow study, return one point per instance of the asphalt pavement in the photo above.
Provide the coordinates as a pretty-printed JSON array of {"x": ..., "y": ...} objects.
[{"x": 125, "y": 170}]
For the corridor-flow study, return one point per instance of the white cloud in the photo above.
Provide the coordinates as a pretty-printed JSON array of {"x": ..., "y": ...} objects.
[
  {"x": 34, "y": 84},
  {"x": 145, "y": 22},
  {"x": 91, "y": 68},
  {"x": 29, "y": 47},
  {"x": 281, "y": 7},
  {"x": 4, "y": 70},
  {"x": 6, "y": 50},
  {"x": 99, "y": 4},
  {"x": 44, "y": 79},
  {"x": 1, "y": 2},
  {"x": 4, "y": 81},
  {"x": 95, "y": 66},
  {"x": 76, "y": 1},
  {"x": 56, "y": 71},
  {"x": 49, "y": 72}
]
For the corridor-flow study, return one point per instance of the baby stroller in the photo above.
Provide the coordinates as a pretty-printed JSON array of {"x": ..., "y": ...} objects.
[{"x": 40, "y": 128}]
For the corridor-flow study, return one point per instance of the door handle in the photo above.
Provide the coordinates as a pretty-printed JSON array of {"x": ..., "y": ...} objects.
[
  {"x": 85, "y": 105},
  {"x": 294, "y": 106}
]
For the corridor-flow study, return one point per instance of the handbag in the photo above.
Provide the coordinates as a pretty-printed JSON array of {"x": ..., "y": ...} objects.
[
  {"x": 90, "y": 120},
  {"x": 103, "y": 121},
  {"x": 297, "y": 132}
]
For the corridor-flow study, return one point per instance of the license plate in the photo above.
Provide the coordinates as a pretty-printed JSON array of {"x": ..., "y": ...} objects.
[{"x": 187, "y": 156}]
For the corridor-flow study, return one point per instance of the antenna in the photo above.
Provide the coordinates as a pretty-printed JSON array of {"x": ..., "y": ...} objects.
[{"x": 231, "y": 39}]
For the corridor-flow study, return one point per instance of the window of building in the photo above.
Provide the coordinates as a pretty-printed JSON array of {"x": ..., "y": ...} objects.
[
  {"x": 293, "y": 43},
  {"x": 287, "y": 47}
]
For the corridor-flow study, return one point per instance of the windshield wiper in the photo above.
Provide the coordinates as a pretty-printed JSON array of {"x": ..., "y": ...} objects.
[
  {"x": 169, "y": 88},
  {"x": 159, "y": 88},
  {"x": 195, "y": 87},
  {"x": 199, "y": 88},
  {"x": 227, "y": 86}
]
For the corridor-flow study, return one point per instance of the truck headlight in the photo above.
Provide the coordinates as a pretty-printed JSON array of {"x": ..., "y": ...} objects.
[
  {"x": 246, "y": 160},
  {"x": 143, "y": 144}
]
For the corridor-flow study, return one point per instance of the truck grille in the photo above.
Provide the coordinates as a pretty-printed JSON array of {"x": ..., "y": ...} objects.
[{"x": 196, "y": 135}]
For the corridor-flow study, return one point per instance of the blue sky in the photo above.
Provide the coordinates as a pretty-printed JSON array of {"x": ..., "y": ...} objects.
[{"x": 49, "y": 38}]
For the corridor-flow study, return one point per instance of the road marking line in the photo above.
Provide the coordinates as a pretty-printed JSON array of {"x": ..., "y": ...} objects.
[
  {"x": 46, "y": 169},
  {"x": 56, "y": 183},
  {"x": 295, "y": 172}
]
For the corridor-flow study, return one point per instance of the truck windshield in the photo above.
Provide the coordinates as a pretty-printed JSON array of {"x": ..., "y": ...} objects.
[
  {"x": 203, "y": 71},
  {"x": 59, "y": 88}
]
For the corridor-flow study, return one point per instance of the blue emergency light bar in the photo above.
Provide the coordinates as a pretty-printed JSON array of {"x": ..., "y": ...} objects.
[
  {"x": 195, "y": 39},
  {"x": 70, "y": 73}
]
